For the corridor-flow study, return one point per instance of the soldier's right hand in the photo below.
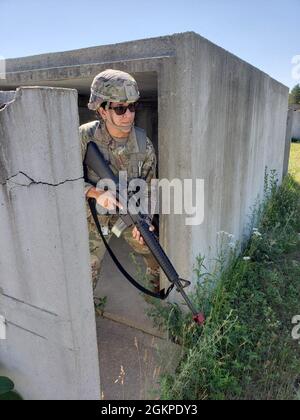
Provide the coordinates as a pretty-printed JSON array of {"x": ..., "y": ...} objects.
[
  {"x": 108, "y": 200},
  {"x": 105, "y": 199}
]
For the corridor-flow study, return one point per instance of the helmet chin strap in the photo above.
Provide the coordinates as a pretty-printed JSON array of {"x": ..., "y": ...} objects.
[{"x": 123, "y": 128}]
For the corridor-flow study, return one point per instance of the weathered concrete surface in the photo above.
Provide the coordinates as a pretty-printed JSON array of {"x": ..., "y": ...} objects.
[
  {"x": 296, "y": 125},
  {"x": 45, "y": 281},
  {"x": 129, "y": 362},
  {"x": 224, "y": 121},
  {"x": 125, "y": 304},
  {"x": 6, "y": 97},
  {"x": 288, "y": 138},
  {"x": 220, "y": 119}
]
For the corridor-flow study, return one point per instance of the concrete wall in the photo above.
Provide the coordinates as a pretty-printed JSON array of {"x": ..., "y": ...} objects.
[
  {"x": 219, "y": 119},
  {"x": 224, "y": 121},
  {"x": 6, "y": 97},
  {"x": 288, "y": 138},
  {"x": 50, "y": 350},
  {"x": 296, "y": 125}
]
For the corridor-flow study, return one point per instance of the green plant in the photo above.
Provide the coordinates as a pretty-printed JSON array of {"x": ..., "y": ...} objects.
[
  {"x": 7, "y": 391},
  {"x": 294, "y": 97},
  {"x": 99, "y": 304},
  {"x": 245, "y": 350},
  {"x": 294, "y": 162}
]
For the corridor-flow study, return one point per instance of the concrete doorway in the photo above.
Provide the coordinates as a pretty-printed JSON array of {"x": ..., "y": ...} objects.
[
  {"x": 146, "y": 118},
  {"x": 127, "y": 341}
]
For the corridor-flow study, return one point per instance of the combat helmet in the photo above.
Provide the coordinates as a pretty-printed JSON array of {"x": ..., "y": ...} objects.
[{"x": 113, "y": 86}]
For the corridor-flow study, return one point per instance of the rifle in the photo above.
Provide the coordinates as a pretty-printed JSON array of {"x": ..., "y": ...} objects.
[{"x": 95, "y": 161}]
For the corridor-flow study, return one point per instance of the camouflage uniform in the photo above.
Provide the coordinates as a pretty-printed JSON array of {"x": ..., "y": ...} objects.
[{"x": 118, "y": 153}]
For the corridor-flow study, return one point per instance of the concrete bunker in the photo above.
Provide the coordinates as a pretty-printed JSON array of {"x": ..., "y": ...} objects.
[
  {"x": 211, "y": 115},
  {"x": 220, "y": 119}
]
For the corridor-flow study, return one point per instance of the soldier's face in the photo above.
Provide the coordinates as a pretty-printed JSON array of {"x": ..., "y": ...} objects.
[{"x": 124, "y": 121}]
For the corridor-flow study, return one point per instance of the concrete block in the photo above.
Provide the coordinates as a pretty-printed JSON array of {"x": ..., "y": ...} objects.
[
  {"x": 296, "y": 125},
  {"x": 50, "y": 349}
]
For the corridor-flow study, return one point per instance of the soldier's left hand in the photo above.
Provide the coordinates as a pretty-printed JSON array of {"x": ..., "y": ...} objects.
[{"x": 136, "y": 234}]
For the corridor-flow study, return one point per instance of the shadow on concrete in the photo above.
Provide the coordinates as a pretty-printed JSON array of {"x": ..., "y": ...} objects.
[{"x": 131, "y": 350}]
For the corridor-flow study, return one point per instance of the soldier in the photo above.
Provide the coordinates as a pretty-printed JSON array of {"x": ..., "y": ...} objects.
[{"x": 114, "y": 96}]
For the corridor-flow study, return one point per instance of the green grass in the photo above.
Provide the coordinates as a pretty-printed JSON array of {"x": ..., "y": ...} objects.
[
  {"x": 294, "y": 164},
  {"x": 245, "y": 350}
]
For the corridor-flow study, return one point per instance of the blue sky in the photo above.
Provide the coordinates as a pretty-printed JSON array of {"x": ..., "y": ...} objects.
[{"x": 264, "y": 33}]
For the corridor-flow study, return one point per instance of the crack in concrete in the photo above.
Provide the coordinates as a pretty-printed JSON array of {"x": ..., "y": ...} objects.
[
  {"x": 32, "y": 181},
  {"x": 25, "y": 329},
  {"x": 27, "y": 304}
]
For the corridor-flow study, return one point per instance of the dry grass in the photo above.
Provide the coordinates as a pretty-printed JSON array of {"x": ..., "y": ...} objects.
[{"x": 294, "y": 164}]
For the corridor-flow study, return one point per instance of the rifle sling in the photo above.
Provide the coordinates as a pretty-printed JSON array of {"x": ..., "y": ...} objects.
[{"x": 161, "y": 295}]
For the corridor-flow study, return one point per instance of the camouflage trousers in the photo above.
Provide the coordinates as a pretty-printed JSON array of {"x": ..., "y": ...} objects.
[{"x": 98, "y": 249}]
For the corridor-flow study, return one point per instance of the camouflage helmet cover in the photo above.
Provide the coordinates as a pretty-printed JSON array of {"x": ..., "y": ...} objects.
[{"x": 113, "y": 86}]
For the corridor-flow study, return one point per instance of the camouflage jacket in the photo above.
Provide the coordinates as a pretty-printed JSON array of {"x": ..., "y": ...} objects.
[{"x": 117, "y": 151}]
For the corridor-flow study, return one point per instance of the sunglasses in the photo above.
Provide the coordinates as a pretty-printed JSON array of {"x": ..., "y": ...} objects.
[{"x": 121, "y": 109}]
